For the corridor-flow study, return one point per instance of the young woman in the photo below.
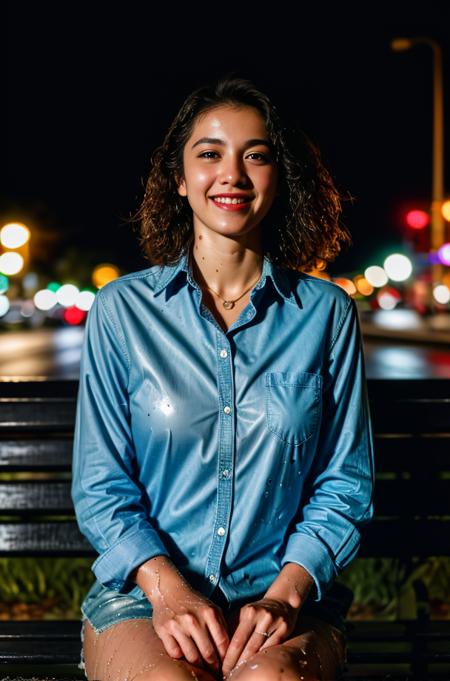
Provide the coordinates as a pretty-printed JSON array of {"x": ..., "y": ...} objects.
[{"x": 223, "y": 458}]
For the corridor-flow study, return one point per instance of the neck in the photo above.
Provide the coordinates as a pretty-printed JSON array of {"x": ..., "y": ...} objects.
[{"x": 228, "y": 268}]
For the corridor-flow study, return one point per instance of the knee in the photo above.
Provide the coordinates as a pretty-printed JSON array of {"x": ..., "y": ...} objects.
[{"x": 271, "y": 664}]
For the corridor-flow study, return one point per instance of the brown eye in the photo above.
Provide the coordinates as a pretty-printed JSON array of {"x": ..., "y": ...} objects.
[{"x": 208, "y": 154}]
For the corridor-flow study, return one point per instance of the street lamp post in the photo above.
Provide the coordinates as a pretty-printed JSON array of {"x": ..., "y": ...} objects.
[{"x": 437, "y": 219}]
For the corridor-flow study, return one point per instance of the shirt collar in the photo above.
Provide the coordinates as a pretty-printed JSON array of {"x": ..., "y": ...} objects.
[{"x": 279, "y": 277}]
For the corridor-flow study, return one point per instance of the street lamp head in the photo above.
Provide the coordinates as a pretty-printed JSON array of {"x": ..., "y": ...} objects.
[{"x": 401, "y": 44}]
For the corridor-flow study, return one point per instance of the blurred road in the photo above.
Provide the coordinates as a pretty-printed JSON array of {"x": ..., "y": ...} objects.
[{"x": 56, "y": 353}]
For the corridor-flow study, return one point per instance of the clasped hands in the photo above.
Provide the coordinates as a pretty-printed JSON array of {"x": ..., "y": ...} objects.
[{"x": 193, "y": 627}]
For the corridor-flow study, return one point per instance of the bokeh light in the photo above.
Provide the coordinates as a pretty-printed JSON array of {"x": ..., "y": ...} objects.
[
  {"x": 27, "y": 309},
  {"x": 417, "y": 219},
  {"x": 11, "y": 263},
  {"x": 53, "y": 286},
  {"x": 444, "y": 254},
  {"x": 67, "y": 294},
  {"x": 398, "y": 267},
  {"x": 376, "y": 276},
  {"x": 446, "y": 210},
  {"x": 388, "y": 298},
  {"x": 84, "y": 300},
  {"x": 363, "y": 286},
  {"x": 346, "y": 284},
  {"x": 14, "y": 235},
  {"x": 104, "y": 273},
  {"x": 4, "y": 305},
  {"x": 441, "y": 294},
  {"x": 73, "y": 315},
  {"x": 45, "y": 299},
  {"x": 4, "y": 283}
]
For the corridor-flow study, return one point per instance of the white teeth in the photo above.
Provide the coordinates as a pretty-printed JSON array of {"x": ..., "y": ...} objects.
[{"x": 226, "y": 199}]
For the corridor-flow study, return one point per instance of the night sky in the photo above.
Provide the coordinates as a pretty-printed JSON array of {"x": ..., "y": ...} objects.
[{"x": 91, "y": 90}]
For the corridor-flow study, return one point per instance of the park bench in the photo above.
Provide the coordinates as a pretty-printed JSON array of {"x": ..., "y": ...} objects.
[{"x": 411, "y": 423}]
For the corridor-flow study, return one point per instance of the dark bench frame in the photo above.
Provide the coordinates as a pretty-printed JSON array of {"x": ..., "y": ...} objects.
[{"x": 411, "y": 422}]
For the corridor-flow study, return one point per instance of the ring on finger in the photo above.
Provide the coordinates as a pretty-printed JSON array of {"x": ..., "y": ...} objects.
[{"x": 263, "y": 633}]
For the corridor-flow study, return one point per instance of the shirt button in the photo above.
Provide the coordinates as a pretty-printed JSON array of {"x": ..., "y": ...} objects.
[
  {"x": 225, "y": 473},
  {"x": 221, "y": 531},
  {"x": 227, "y": 410},
  {"x": 223, "y": 353},
  {"x": 212, "y": 578}
]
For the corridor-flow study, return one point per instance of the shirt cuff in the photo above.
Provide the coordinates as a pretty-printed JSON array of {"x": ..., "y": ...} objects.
[
  {"x": 114, "y": 565},
  {"x": 313, "y": 556}
]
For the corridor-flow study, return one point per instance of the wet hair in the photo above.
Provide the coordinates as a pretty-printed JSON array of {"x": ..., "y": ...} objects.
[{"x": 301, "y": 229}]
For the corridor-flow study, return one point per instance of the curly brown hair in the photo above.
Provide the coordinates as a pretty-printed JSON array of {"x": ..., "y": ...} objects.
[{"x": 302, "y": 227}]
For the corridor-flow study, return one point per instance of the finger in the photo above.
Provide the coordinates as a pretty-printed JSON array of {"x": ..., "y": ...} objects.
[
  {"x": 171, "y": 646},
  {"x": 218, "y": 631},
  {"x": 205, "y": 645},
  {"x": 254, "y": 645},
  {"x": 277, "y": 636},
  {"x": 237, "y": 645},
  {"x": 189, "y": 648}
]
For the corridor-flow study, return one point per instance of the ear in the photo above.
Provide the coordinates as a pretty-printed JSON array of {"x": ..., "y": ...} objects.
[{"x": 182, "y": 187}]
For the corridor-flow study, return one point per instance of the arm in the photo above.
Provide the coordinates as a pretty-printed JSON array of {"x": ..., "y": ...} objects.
[
  {"x": 340, "y": 493},
  {"x": 107, "y": 500}
]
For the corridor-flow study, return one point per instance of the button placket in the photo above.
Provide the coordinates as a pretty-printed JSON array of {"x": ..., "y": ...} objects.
[{"x": 225, "y": 385}]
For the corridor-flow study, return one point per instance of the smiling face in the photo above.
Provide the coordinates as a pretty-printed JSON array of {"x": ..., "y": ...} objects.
[{"x": 229, "y": 173}]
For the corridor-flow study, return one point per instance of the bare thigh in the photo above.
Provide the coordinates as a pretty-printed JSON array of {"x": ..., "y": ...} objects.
[
  {"x": 132, "y": 651},
  {"x": 314, "y": 652}
]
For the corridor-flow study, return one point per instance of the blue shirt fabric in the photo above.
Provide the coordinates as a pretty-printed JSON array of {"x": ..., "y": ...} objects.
[{"x": 231, "y": 452}]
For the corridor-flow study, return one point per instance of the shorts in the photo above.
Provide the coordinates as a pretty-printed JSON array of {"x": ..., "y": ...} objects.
[{"x": 104, "y": 607}]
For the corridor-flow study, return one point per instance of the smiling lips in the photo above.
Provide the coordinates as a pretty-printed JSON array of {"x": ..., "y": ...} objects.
[{"x": 231, "y": 202}]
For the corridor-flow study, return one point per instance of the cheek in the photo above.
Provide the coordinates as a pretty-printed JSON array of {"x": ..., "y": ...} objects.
[
  {"x": 198, "y": 178},
  {"x": 268, "y": 186}
]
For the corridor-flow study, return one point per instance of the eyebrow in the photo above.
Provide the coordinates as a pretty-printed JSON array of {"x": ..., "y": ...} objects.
[{"x": 216, "y": 140}]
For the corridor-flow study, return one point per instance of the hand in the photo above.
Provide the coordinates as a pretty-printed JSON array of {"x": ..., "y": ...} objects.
[
  {"x": 190, "y": 625},
  {"x": 271, "y": 615}
]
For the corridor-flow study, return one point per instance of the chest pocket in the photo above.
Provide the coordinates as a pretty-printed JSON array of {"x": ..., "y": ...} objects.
[{"x": 293, "y": 405}]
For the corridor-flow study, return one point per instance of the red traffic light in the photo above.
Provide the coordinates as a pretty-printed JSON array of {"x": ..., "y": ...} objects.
[{"x": 417, "y": 219}]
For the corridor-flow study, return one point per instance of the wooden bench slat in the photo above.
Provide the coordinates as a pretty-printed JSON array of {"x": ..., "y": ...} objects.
[
  {"x": 36, "y": 454},
  {"x": 40, "y": 652},
  {"x": 22, "y": 415},
  {"x": 43, "y": 539},
  {"x": 41, "y": 629},
  {"x": 35, "y": 497}
]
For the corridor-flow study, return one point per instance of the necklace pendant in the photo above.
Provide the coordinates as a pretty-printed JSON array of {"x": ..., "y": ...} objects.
[{"x": 228, "y": 304}]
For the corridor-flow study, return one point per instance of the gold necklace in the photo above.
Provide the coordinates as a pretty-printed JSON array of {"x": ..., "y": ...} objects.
[{"x": 229, "y": 304}]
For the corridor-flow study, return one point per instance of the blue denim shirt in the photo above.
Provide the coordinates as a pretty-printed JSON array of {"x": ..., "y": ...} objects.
[{"x": 231, "y": 452}]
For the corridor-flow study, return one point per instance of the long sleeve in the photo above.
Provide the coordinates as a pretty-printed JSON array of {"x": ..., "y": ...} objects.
[
  {"x": 339, "y": 493},
  {"x": 108, "y": 502}
]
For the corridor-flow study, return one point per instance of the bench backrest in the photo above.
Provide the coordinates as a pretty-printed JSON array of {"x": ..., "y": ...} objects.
[{"x": 411, "y": 425}]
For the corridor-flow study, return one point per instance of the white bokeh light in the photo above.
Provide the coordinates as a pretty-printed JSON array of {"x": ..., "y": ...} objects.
[
  {"x": 386, "y": 300},
  {"x": 4, "y": 305},
  {"x": 11, "y": 263},
  {"x": 84, "y": 300},
  {"x": 441, "y": 294},
  {"x": 14, "y": 235},
  {"x": 45, "y": 299},
  {"x": 398, "y": 267},
  {"x": 67, "y": 294},
  {"x": 376, "y": 276}
]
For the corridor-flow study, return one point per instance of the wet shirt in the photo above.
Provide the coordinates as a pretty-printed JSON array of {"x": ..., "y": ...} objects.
[{"x": 232, "y": 452}]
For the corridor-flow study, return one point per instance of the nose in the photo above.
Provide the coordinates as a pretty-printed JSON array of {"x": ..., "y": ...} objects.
[{"x": 232, "y": 172}]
